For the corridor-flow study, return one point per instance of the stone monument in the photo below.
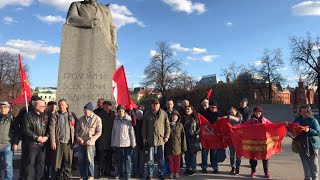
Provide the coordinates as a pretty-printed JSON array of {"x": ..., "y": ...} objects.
[{"x": 88, "y": 55}]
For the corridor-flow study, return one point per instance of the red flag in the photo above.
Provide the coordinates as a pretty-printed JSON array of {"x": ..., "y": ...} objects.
[
  {"x": 258, "y": 141},
  {"x": 295, "y": 129},
  {"x": 209, "y": 135},
  {"x": 131, "y": 105},
  {"x": 209, "y": 93},
  {"x": 25, "y": 94},
  {"x": 120, "y": 87}
]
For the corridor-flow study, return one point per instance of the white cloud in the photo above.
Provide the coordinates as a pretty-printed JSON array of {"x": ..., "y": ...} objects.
[
  {"x": 195, "y": 50},
  {"x": 207, "y": 58},
  {"x": 9, "y": 20},
  {"x": 229, "y": 24},
  {"x": 51, "y": 19},
  {"x": 29, "y": 49},
  {"x": 62, "y": 5},
  {"x": 258, "y": 63},
  {"x": 25, "y": 3},
  {"x": 307, "y": 8},
  {"x": 152, "y": 53},
  {"x": 123, "y": 16},
  {"x": 186, "y": 6}
]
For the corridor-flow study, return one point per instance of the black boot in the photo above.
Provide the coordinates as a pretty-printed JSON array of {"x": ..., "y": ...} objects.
[{"x": 232, "y": 172}]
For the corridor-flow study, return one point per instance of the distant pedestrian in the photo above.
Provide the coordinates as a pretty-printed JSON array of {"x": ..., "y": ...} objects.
[{"x": 88, "y": 130}]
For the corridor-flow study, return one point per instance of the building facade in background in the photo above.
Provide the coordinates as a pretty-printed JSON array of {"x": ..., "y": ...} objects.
[{"x": 46, "y": 93}]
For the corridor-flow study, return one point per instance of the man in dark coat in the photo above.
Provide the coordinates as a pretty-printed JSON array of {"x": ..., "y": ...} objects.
[
  {"x": 103, "y": 144},
  {"x": 245, "y": 110}
]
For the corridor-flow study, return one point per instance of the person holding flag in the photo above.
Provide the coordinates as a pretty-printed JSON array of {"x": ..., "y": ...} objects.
[
  {"x": 258, "y": 118},
  {"x": 312, "y": 131}
]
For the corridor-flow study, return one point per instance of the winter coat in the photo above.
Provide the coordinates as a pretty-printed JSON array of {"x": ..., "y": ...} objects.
[
  {"x": 314, "y": 129},
  {"x": 177, "y": 142},
  {"x": 155, "y": 127},
  {"x": 91, "y": 130},
  {"x": 122, "y": 132},
  {"x": 54, "y": 129},
  {"x": 34, "y": 125},
  {"x": 192, "y": 131},
  {"x": 107, "y": 119},
  {"x": 7, "y": 130},
  {"x": 138, "y": 133},
  {"x": 254, "y": 120},
  {"x": 246, "y": 113},
  {"x": 212, "y": 117}
]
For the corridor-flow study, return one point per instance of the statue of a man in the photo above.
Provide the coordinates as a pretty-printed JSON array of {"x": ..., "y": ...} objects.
[{"x": 91, "y": 14}]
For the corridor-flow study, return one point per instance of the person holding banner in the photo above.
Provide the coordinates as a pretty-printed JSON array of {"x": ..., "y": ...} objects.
[
  {"x": 309, "y": 161},
  {"x": 235, "y": 118},
  {"x": 258, "y": 118},
  {"x": 192, "y": 130}
]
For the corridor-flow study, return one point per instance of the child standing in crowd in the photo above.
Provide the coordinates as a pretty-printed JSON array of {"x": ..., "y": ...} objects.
[
  {"x": 138, "y": 152},
  {"x": 176, "y": 145},
  {"x": 258, "y": 118},
  {"x": 235, "y": 118},
  {"x": 192, "y": 130}
]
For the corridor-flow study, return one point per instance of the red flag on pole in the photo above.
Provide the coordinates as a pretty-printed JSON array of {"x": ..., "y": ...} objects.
[
  {"x": 209, "y": 93},
  {"x": 26, "y": 90},
  {"x": 120, "y": 87}
]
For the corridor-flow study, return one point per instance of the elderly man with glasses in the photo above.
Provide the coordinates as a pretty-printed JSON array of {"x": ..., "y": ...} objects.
[{"x": 35, "y": 130}]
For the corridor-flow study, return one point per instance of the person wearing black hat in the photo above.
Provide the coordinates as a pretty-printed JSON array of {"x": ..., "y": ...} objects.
[
  {"x": 258, "y": 118},
  {"x": 103, "y": 144},
  {"x": 21, "y": 114},
  {"x": 123, "y": 140},
  {"x": 88, "y": 130},
  {"x": 212, "y": 115},
  {"x": 155, "y": 132},
  {"x": 245, "y": 110}
]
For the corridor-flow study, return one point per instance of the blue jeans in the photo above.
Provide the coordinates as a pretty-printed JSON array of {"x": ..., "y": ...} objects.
[
  {"x": 138, "y": 163},
  {"x": 159, "y": 151},
  {"x": 310, "y": 165},
  {"x": 204, "y": 156},
  {"x": 123, "y": 154},
  {"x": 86, "y": 161},
  {"x": 232, "y": 157},
  {"x": 191, "y": 160},
  {"x": 6, "y": 157}
]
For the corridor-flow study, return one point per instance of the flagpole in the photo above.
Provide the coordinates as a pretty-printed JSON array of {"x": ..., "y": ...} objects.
[{"x": 25, "y": 97}]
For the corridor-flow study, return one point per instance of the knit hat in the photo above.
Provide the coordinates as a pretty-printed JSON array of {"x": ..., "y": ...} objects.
[
  {"x": 119, "y": 107},
  {"x": 257, "y": 109},
  {"x": 89, "y": 106},
  {"x": 139, "y": 112}
]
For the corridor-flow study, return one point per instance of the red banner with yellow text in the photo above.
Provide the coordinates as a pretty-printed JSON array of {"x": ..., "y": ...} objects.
[{"x": 258, "y": 141}]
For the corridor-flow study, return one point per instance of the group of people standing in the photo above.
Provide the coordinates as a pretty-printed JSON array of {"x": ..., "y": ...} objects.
[{"x": 50, "y": 132}]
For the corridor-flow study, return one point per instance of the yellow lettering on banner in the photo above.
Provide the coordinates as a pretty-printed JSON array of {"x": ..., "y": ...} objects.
[{"x": 264, "y": 145}]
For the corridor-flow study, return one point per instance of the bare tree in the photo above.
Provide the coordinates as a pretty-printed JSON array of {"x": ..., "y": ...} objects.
[
  {"x": 185, "y": 82},
  {"x": 269, "y": 69},
  {"x": 160, "y": 73},
  {"x": 233, "y": 70},
  {"x": 305, "y": 58},
  {"x": 10, "y": 82}
]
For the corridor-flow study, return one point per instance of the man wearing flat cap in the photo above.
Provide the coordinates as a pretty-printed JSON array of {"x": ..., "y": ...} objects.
[
  {"x": 88, "y": 130},
  {"x": 155, "y": 132},
  {"x": 8, "y": 142}
]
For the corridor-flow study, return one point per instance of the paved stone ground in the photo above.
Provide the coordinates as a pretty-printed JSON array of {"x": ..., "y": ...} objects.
[{"x": 286, "y": 165}]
